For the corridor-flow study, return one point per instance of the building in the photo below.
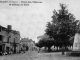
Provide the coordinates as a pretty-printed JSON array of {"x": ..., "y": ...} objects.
[
  {"x": 9, "y": 39},
  {"x": 24, "y": 44},
  {"x": 15, "y": 41},
  {"x": 28, "y": 43}
]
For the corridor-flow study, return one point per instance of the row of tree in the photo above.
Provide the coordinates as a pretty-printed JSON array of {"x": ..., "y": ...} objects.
[{"x": 61, "y": 30}]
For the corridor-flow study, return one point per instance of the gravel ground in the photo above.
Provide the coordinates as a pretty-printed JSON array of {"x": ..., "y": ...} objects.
[{"x": 33, "y": 55}]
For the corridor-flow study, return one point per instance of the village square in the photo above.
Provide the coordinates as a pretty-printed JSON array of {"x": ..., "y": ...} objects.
[{"x": 41, "y": 30}]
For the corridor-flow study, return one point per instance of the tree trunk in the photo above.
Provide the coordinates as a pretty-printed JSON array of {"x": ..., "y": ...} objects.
[
  {"x": 63, "y": 50},
  {"x": 57, "y": 48},
  {"x": 49, "y": 49}
]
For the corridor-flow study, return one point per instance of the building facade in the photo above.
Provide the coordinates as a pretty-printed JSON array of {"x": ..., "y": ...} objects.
[
  {"x": 28, "y": 43},
  {"x": 9, "y": 39}
]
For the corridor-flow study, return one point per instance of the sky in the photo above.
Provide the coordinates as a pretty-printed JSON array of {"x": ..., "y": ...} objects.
[{"x": 31, "y": 20}]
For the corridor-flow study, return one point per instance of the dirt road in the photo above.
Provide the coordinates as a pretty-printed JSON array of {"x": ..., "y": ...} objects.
[{"x": 34, "y": 55}]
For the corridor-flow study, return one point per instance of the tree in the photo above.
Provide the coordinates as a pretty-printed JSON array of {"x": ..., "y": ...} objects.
[
  {"x": 39, "y": 44},
  {"x": 62, "y": 26},
  {"x": 46, "y": 41}
]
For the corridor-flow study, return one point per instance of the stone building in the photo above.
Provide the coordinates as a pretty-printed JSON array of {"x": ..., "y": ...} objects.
[
  {"x": 9, "y": 39},
  {"x": 28, "y": 43},
  {"x": 24, "y": 44}
]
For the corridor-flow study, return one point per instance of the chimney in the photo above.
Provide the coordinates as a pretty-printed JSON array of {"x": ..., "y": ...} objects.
[{"x": 9, "y": 27}]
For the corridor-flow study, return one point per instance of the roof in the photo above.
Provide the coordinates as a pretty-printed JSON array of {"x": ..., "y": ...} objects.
[{"x": 6, "y": 29}]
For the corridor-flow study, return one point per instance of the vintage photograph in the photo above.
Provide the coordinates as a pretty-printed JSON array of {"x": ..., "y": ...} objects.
[{"x": 39, "y": 30}]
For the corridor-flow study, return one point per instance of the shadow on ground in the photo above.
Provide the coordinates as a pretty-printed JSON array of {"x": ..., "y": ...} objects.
[
  {"x": 52, "y": 51},
  {"x": 73, "y": 54}
]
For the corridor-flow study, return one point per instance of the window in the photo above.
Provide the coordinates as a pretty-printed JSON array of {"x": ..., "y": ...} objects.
[{"x": 1, "y": 37}]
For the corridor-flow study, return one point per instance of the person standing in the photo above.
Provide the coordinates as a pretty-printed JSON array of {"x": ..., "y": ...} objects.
[{"x": 38, "y": 50}]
